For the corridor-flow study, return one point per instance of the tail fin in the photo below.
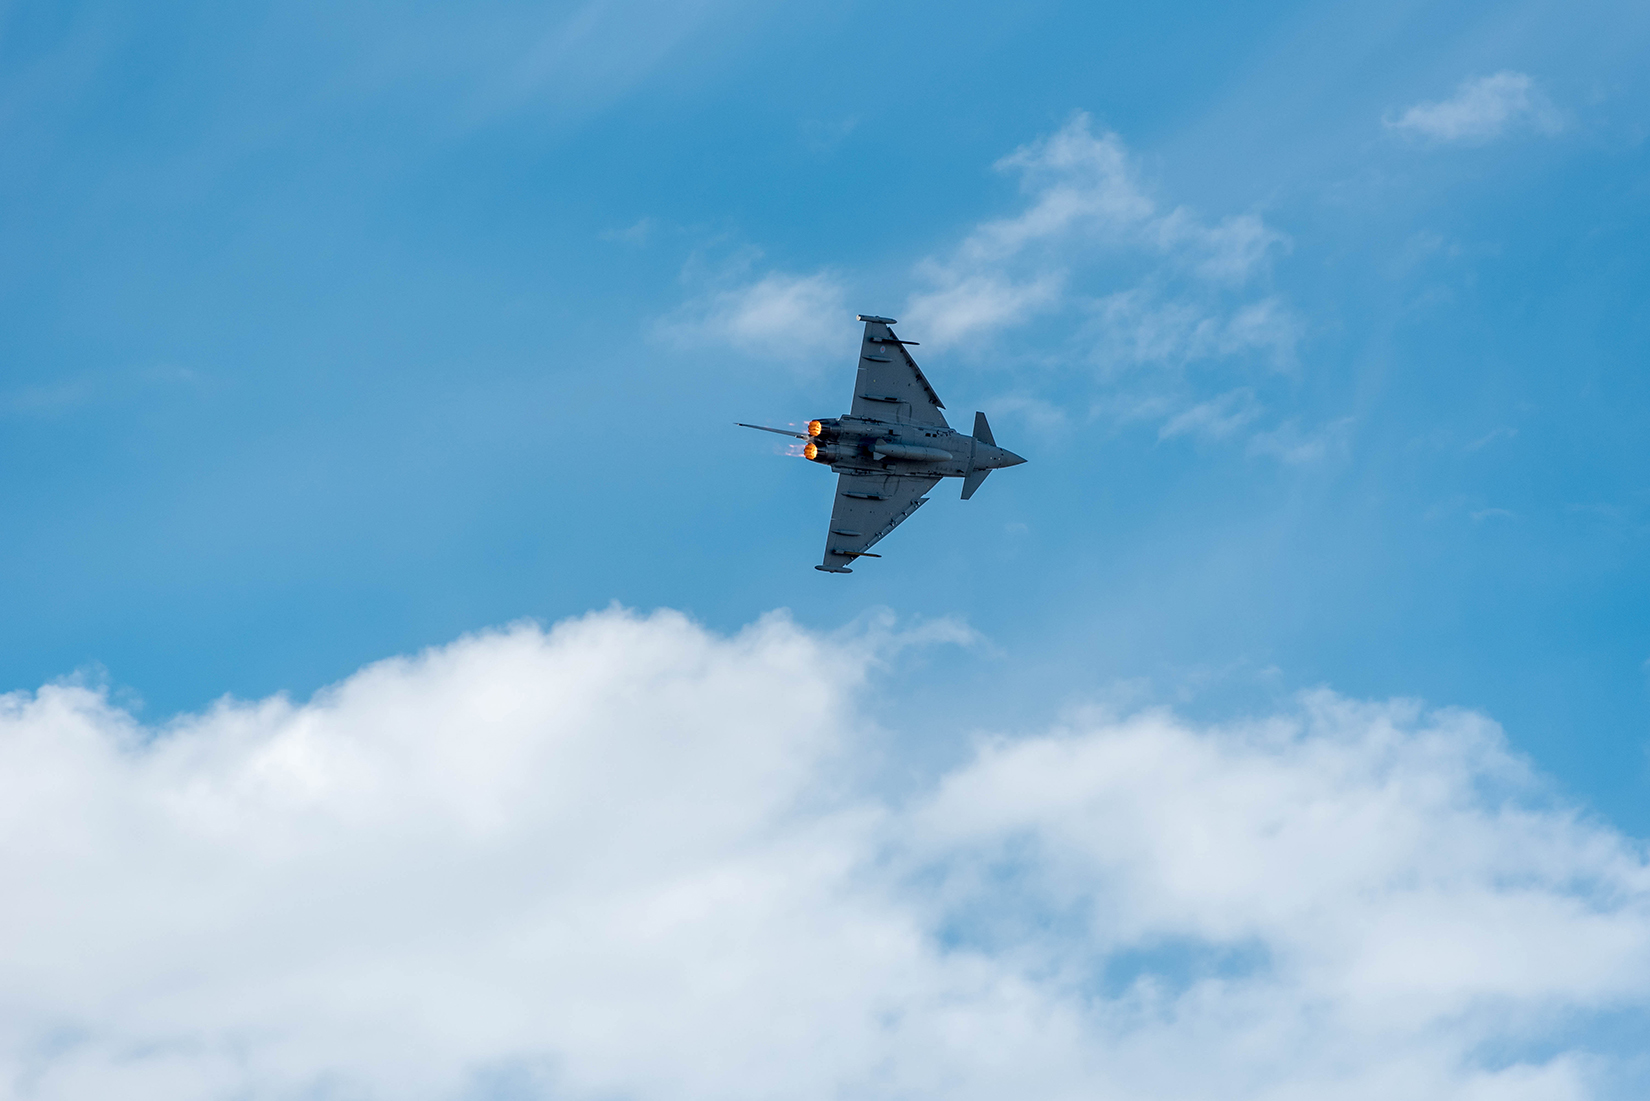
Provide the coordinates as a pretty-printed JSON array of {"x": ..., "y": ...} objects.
[{"x": 982, "y": 430}]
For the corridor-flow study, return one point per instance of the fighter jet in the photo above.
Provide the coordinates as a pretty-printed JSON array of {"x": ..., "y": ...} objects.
[{"x": 891, "y": 448}]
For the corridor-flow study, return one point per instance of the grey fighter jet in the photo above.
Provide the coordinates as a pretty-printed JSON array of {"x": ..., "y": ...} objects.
[{"x": 891, "y": 448}]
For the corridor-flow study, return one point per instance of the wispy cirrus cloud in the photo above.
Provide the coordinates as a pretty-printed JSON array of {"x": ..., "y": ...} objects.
[
  {"x": 979, "y": 303},
  {"x": 1139, "y": 327},
  {"x": 632, "y": 857},
  {"x": 1481, "y": 110},
  {"x": 1215, "y": 419},
  {"x": 1084, "y": 201},
  {"x": 1196, "y": 294},
  {"x": 1289, "y": 442},
  {"x": 778, "y": 315}
]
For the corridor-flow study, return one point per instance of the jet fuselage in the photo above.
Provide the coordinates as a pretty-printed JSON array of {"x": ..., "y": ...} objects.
[{"x": 860, "y": 445}]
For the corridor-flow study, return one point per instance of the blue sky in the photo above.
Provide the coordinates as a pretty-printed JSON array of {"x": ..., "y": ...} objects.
[{"x": 335, "y": 332}]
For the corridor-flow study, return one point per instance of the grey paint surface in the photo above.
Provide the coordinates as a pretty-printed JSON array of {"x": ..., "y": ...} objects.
[{"x": 892, "y": 447}]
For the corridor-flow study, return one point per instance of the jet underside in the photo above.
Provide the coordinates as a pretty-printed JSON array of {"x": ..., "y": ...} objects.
[{"x": 891, "y": 448}]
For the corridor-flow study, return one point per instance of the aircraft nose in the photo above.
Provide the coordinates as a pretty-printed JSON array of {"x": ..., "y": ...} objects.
[{"x": 1011, "y": 459}]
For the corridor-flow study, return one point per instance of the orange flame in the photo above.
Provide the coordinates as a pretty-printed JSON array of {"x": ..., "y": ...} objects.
[
  {"x": 814, "y": 429},
  {"x": 811, "y": 451}
]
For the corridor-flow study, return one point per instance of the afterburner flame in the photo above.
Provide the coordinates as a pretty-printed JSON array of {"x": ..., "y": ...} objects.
[
  {"x": 814, "y": 429},
  {"x": 812, "y": 450}
]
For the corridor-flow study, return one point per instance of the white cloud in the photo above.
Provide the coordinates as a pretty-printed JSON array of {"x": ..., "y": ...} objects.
[
  {"x": 1140, "y": 327},
  {"x": 1266, "y": 326},
  {"x": 1087, "y": 214},
  {"x": 1040, "y": 414},
  {"x": 780, "y": 316},
  {"x": 1077, "y": 182},
  {"x": 1375, "y": 867},
  {"x": 1481, "y": 110},
  {"x": 1215, "y": 419},
  {"x": 1230, "y": 251},
  {"x": 631, "y": 858},
  {"x": 969, "y": 305},
  {"x": 1503, "y": 433},
  {"x": 635, "y": 235},
  {"x": 1084, "y": 201},
  {"x": 1297, "y": 446}
]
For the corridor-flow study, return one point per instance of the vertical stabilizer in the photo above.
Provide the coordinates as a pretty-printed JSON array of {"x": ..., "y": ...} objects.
[
  {"x": 976, "y": 474},
  {"x": 982, "y": 430}
]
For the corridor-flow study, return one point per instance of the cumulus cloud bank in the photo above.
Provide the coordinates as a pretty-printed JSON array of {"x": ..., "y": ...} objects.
[
  {"x": 1481, "y": 110},
  {"x": 629, "y": 857}
]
